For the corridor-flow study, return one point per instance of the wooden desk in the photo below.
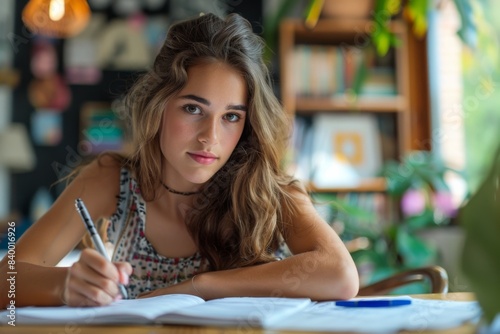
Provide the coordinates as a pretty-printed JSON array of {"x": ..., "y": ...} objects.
[{"x": 157, "y": 329}]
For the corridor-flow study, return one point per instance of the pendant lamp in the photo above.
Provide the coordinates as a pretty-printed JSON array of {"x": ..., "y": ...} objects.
[{"x": 56, "y": 18}]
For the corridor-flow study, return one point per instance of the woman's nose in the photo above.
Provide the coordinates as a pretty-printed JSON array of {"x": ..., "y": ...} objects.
[{"x": 209, "y": 132}]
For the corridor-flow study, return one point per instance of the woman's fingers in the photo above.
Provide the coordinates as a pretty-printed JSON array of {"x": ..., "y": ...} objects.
[
  {"x": 81, "y": 293},
  {"x": 98, "y": 263},
  {"x": 93, "y": 280},
  {"x": 124, "y": 270}
]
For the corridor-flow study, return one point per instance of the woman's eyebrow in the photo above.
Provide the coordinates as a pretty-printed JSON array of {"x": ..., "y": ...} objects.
[
  {"x": 240, "y": 107},
  {"x": 196, "y": 98},
  {"x": 204, "y": 101}
]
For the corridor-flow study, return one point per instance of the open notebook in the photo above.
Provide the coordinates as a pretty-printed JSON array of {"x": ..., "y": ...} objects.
[
  {"x": 259, "y": 312},
  {"x": 169, "y": 309}
]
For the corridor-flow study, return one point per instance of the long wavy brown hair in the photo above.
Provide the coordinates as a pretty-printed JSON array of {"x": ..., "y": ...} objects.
[{"x": 240, "y": 216}]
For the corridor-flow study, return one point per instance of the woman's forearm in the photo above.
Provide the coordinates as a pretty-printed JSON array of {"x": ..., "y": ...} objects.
[
  {"x": 312, "y": 274},
  {"x": 31, "y": 284}
]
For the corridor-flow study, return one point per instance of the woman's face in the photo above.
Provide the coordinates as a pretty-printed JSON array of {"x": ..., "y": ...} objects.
[{"x": 202, "y": 124}]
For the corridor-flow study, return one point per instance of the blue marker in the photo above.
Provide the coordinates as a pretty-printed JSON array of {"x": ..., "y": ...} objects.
[{"x": 373, "y": 303}]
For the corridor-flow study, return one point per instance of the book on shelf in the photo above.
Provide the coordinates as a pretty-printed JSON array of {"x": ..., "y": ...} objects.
[
  {"x": 299, "y": 162},
  {"x": 317, "y": 70},
  {"x": 330, "y": 71},
  {"x": 379, "y": 82}
]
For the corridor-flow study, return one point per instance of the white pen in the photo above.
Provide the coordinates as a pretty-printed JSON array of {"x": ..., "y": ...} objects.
[{"x": 96, "y": 239}]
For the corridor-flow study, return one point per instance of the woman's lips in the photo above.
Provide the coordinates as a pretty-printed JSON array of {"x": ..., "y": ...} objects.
[{"x": 203, "y": 158}]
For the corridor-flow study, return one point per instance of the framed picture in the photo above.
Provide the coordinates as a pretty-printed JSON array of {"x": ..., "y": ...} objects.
[
  {"x": 46, "y": 127},
  {"x": 346, "y": 149},
  {"x": 101, "y": 130}
]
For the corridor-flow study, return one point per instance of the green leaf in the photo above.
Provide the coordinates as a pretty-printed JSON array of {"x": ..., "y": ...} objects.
[
  {"x": 357, "y": 221},
  {"x": 426, "y": 219},
  {"x": 359, "y": 77},
  {"x": 380, "y": 6},
  {"x": 383, "y": 42},
  {"x": 468, "y": 29},
  {"x": 271, "y": 26},
  {"x": 392, "y": 231},
  {"x": 382, "y": 272},
  {"x": 414, "y": 251},
  {"x": 371, "y": 256},
  {"x": 433, "y": 178},
  {"x": 398, "y": 187},
  {"x": 480, "y": 218},
  {"x": 398, "y": 184},
  {"x": 395, "y": 41},
  {"x": 398, "y": 178},
  {"x": 353, "y": 211},
  {"x": 417, "y": 10}
]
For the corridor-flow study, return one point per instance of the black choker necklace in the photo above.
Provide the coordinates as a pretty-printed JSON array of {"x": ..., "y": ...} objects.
[{"x": 188, "y": 193}]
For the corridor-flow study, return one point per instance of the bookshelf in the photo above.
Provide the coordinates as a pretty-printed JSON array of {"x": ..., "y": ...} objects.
[{"x": 335, "y": 38}]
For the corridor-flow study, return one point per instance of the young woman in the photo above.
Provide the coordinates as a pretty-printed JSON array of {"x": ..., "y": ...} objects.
[{"x": 201, "y": 206}]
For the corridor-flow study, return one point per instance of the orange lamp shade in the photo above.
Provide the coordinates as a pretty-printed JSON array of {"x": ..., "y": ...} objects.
[{"x": 56, "y": 18}]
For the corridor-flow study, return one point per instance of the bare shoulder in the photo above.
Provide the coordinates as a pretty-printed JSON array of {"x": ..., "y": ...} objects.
[
  {"x": 60, "y": 228},
  {"x": 98, "y": 183},
  {"x": 304, "y": 229},
  {"x": 297, "y": 199},
  {"x": 298, "y": 208},
  {"x": 103, "y": 166}
]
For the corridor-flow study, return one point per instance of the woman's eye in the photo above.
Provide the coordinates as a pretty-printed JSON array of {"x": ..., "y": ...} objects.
[
  {"x": 192, "y": 109},
  {"x": 233, "y": 117}
]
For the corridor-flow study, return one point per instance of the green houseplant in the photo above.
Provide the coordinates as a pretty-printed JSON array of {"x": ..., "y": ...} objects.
[
  {"x": 416, "y": 187},
  {"x": 416, "y": 11},
  {"x": 417, "y": 184}
]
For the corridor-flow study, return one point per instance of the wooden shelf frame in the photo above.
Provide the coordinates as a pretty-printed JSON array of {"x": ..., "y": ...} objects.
[
  {"x": 377, "y": 184},
  {"x": 308, "y": 105}
]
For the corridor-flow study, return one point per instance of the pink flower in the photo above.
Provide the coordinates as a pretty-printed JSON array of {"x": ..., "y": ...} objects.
[
  {"x": 443, "y": 202},
  {"x": 413, "y": 202}
]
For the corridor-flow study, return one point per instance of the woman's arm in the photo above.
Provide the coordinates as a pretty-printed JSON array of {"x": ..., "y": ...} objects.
[
  {"x": 43, "y": 245},
  {"x": 321, "y": 267}
]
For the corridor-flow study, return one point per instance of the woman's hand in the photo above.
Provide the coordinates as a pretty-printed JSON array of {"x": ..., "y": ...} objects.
[{"x": 93, "y": 280}]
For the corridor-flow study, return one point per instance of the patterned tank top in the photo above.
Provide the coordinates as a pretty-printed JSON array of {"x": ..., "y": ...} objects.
[
  {"x": 126, "y": 232},
  {"x": 151, "y": 271}
]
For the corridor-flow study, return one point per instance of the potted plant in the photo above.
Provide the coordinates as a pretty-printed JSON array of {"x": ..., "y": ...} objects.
[
  {"x": 417, "y": 183},
  {"x": 417, "y": 186}
]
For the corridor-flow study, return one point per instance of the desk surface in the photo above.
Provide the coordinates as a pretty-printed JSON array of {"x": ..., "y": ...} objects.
[{"x": 157, "y": 329}]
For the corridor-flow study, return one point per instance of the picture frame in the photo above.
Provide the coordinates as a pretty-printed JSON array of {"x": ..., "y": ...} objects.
[{"x": 346, "y": 149}]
